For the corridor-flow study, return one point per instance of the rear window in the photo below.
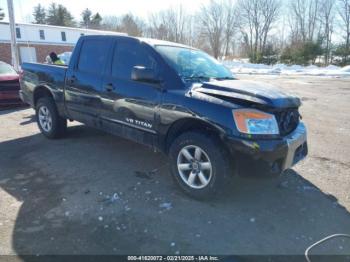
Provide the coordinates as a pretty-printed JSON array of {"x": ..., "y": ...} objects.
[
  {"x": 93, "y": 56},
  {"x": 6, "y": 69}
]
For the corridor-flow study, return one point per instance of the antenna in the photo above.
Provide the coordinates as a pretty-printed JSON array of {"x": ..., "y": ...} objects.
[{"x": 14, "y": 51}]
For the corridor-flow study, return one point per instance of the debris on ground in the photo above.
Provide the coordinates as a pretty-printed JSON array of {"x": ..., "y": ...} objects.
[
  {"x": 100, "y": 218},
  {"x": 172, "y": 244},
  {"x": 144, "y": 175},
  {"x": 110, "y": 199},
  {"x": 115, "y": 197},
  {"x": 148, "y": 174},
  {"x": 166, "y": 205},
  {"x": 252, "y": 220}
]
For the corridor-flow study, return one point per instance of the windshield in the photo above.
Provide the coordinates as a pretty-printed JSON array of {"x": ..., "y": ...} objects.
[
  {"x": 6, "y": 69},
  {"x": 193, "y": 65}
]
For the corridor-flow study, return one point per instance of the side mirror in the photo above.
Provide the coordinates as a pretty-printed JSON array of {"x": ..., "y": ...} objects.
[{"x": 144, "y": 74}]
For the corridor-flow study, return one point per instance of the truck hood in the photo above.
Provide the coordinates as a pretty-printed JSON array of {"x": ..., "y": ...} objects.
[{"x": 248, "y": 91}]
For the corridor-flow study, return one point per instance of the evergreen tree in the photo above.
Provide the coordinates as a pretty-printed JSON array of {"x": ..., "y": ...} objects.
[
  {"x": 57, "y": 14},
  {"x": 86, "y": 18},
  {"x": 96, "y": 21},
  {"x": 132, "y": 26},
  {"x": 39, "y": 14},
  {"x": 2, "y": 14}
]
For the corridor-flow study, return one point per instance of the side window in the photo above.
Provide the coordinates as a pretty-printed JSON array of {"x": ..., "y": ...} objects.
[
  {"x": 42, "y": 34},
  {"x": 128, "y": 55},
  {"x": 93, "y": 55},
  {"x": 63, "y": 36},
  {"x": 18, "y": 32}
]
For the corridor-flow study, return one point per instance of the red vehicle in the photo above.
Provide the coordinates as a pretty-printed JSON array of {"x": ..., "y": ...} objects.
[{"x": 9, "y": 86}]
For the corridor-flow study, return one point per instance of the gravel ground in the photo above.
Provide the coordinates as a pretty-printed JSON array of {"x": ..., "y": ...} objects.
[{"x": 92, "y": 193}]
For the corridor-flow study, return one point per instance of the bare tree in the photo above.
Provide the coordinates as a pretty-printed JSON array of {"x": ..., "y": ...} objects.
[
  {"x": 344, "y": 13},
  {"x": 171, "y": 24},
  {"x": 270, "y": 11},
  {"x": 212, "y": 24},
  {"x": 127, "y": 23},
  {"x": 257, "y": 18},
  {"x": 157, "y": 29},
  {"x": 327, "y": 19},
  {"x": 110, "y": 23},
  {"x": 231, "y": 25},
  {"x": 314, "y": 7},
  {"x": 304, "y": 18}
]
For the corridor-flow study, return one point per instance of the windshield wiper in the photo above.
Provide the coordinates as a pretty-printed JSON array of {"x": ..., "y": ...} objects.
[
  {"x": 196, "y": 78},
  {"x": 225, "y": 78}
]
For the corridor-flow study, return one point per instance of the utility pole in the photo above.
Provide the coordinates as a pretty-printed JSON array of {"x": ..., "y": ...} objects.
[{"x": 14, "y": 51}]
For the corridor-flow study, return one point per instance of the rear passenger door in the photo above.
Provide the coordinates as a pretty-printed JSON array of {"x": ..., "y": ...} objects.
[
  {"x": 130, "y": 108},
  {"x": 84, "y": 81}
]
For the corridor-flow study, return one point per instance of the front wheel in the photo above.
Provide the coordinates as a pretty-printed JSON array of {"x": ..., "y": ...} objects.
[
  {"x": 199, "y": 164},
  {"x": 50, "y": 123}
]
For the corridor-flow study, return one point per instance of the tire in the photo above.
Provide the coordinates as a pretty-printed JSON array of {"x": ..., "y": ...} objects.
[
  {"x": 209, "y": 160},
  {"x": 50, "y": 123}
]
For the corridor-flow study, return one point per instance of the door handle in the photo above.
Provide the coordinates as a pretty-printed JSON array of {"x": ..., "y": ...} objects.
[
  {"x": 109, "y": 87},
  {"x": 72, "y": 79}
]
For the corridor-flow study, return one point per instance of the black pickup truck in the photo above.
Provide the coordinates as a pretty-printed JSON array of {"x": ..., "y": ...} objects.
[{"x": 177, "y": 100}]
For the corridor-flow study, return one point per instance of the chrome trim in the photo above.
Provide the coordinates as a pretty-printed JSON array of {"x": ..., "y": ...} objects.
[{"x": 294, "y": 140}]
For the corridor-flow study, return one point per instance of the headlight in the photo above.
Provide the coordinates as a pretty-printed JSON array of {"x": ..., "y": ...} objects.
[{"x": 255, "y": 122}]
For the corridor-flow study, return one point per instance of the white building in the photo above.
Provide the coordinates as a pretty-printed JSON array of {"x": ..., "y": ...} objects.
[{"x": 36, "y": 41}]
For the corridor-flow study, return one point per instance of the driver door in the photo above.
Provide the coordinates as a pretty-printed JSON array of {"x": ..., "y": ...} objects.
[{"x": 130, "y": 108}]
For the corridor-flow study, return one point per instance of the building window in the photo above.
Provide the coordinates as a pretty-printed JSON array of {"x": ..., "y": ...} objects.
[
  {"x": 42, "y": 34},
  {"x": 18, "y": 32},
  {"x": 63, "y": 36}
]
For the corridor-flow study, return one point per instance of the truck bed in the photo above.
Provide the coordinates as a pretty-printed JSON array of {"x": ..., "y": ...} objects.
[{"x": 36, "y": 74}]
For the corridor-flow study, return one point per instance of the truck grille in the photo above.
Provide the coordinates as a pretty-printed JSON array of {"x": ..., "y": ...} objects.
[
  {"x": 287, "y": 120},
  {"x": 10, "y": 85}
]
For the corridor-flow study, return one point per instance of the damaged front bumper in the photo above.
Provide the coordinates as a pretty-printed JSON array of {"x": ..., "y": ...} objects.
[{"x": 271, "y": 156}]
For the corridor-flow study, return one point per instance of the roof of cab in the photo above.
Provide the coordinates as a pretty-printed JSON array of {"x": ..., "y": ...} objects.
[
  {"x": 155, "y": 42},
  {"x": 150, "y": 41}
]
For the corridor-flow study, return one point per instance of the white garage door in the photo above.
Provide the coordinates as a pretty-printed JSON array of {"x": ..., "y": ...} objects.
[{"x": 28, "y": 54}]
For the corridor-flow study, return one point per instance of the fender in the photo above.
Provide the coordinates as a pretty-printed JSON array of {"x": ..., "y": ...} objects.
[{"x": 45, "y": 89}]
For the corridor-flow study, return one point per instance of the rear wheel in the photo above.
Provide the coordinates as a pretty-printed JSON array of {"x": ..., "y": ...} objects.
[
  {"x": 199, "y": 165},
  {"x": 50, "y": 123}
]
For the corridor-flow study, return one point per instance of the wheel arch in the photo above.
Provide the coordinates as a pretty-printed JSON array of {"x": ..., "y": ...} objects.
[
  {"x": 41, "y": 91},
  {"x": 190, "y": 124}
]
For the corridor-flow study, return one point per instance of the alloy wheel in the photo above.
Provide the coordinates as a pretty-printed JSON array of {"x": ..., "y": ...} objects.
[
  {"x": 194, "y": 166},
  {"x": 45, "y": 118}
]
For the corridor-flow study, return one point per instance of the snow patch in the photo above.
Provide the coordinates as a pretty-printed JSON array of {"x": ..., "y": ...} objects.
[{"x": 243, "y": 67}]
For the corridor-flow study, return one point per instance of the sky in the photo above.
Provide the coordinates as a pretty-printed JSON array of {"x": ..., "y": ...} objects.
[{"x": 142, "y": 8}]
